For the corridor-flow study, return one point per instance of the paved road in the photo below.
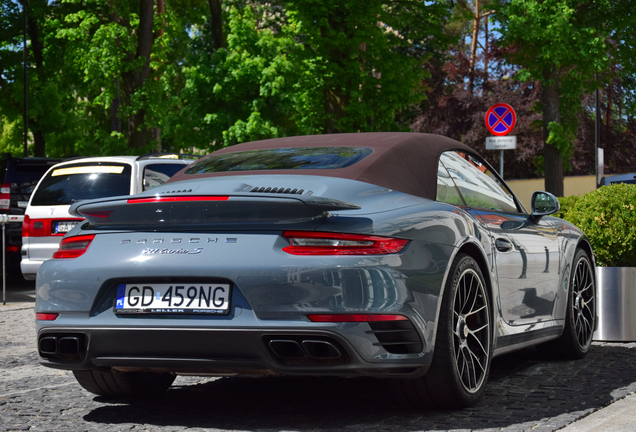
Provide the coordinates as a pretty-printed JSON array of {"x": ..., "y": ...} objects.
[{"x": 525, "y": 392}]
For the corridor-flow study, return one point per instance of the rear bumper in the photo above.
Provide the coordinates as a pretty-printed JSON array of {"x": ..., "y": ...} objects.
[
  {"x": 217, "y": 351},
  {"x": 29, "y": 268}
]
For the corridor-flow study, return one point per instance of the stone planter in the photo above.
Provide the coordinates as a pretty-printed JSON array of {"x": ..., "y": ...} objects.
[{"x": 616, "y": 304}]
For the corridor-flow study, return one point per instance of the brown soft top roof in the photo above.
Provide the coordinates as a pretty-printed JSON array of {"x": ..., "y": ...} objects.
[{"x": 402, "y": 161}]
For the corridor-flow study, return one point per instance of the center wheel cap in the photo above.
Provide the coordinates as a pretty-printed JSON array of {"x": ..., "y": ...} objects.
[{"x": 462, "y": 329}]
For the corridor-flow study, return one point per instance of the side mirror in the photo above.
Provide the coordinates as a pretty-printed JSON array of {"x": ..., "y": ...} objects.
[{"x": 544, "y": 203}]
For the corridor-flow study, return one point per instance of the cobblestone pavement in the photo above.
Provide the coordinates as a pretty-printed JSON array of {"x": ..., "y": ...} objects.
[{"x": 525, "y": 392}]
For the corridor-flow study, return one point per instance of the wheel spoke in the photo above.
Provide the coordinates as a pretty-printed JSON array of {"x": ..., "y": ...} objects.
[
  {"x": 476, "y": 359},
  {"x": 476, "y": 311},
  {"x": 483, "y": 350}
]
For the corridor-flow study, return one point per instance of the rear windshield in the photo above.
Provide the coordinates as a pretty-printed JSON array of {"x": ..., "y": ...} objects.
[
  {"x": 281, "y": 159},
  {"x": 82, "y": 181}
]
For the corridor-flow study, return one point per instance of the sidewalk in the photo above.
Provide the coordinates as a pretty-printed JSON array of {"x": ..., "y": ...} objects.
[{"x": 617, "y": 417}]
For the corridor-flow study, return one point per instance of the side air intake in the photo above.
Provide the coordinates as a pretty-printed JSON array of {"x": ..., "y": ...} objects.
[{"x": 397, "y": 337}]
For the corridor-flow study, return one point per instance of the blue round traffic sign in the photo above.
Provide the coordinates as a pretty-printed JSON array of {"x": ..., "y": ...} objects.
[{"x": 500, "y": 119}]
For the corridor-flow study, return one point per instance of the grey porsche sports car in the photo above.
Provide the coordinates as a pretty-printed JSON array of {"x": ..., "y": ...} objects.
[{"x": 390, "y": 255}]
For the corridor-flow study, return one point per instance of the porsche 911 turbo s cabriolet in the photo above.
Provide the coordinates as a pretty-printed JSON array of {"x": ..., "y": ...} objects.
[{"x": 392, "y": 255}]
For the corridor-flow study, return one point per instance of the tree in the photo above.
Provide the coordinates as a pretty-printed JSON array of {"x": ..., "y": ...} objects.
[
  {"x": 561, "y": 44},
  {"x": 304, "y": 66}
]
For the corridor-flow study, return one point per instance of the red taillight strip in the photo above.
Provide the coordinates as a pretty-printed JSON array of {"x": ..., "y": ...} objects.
[
  {"x": 177, "y": 198},
  {"x": 73, "y": 247},
  {"x": 41, "y": 316},
  {"x": 355, "y": 317},
  {"x": 375, "y": 245},
  {"x": 99, "y": 214}
]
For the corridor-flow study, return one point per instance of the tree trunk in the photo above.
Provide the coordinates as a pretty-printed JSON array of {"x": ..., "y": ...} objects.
[
  {"x": 553, "y": 160},
  {"x": 39, "y": 145},
  {"x": 133, "y": 81},
  {"x": 115, "y": 121},
  {"x": 486, "y": 51},
  {"x": 473, "y": 49},
  {"x": 37, "y": 48},
  {"x": 216, "y": 11},
  {"x": 608, "y": 111}
]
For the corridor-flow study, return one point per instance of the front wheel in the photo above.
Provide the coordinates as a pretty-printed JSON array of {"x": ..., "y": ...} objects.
[
  {"x": 124, "y": 384},
  {"x": 461, "y": 361}
]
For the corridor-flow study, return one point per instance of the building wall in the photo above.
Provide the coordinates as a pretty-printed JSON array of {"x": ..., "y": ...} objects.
[{"x": 577, "y": 185}]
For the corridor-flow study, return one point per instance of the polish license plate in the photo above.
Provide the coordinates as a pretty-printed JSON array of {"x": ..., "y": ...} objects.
[
  {"x": 64, "y": 227},
  {"x": 184, "y": 298}
]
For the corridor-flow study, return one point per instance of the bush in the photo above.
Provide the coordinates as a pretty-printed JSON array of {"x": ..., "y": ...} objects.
[{"x": 607, "y": 217}]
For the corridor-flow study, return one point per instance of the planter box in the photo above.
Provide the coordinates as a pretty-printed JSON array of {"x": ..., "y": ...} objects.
[{"x": 616, "y": 304}]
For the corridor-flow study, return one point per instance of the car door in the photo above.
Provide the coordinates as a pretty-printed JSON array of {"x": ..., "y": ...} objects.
[{"x": 526, "y": 253}]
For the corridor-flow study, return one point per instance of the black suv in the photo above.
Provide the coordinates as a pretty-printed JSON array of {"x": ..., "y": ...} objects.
[{"x": 19, "y": 178}]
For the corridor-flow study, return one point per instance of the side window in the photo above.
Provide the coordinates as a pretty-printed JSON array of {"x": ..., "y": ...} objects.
[
  {"x": 446, "y": 189},
  {"x": 157, "y": 174},
  {"x": 479, "y": 187}
]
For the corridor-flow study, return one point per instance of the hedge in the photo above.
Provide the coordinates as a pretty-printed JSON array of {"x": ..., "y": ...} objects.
[{"x": 607, "y": 217}]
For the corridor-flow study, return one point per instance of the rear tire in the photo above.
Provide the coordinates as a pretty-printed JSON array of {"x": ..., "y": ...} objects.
[
  {"x": 463, "y": 346},
  {"x": 125, "y": 384},
  {"x": 580, "y": 318}
]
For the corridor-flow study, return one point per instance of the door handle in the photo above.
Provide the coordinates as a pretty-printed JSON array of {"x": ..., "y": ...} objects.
[{"x": 503, "y": 245}]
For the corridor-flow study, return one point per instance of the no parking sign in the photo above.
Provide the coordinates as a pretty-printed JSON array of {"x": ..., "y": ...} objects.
[{"x": 500, "y": 121}]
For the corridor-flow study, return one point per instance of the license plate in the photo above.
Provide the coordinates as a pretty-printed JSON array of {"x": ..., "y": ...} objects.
[
  {"x": 186, "y": 298},
  {"x": 64, "y": 227}
]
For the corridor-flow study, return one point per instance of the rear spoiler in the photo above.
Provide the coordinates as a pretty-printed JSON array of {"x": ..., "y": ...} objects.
[{"x": 202, "y": 211}]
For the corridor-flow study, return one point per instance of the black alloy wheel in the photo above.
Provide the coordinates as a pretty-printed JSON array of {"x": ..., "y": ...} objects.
[
  {"x": 580, "y": 319},
  {"x": 463, "y": 347}
]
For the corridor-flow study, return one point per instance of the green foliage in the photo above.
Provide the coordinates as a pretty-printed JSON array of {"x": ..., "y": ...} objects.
[
  {"x": 607, "y": 216},
  {"x": 566, "y": 35}
]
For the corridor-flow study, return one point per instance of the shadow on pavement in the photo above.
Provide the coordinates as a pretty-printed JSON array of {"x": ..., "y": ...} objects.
[
  {"x": 523, "y": 388},
  {"x": 18, "y": 291}
]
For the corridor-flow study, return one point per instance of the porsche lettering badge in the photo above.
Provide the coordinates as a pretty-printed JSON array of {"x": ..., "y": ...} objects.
[{"x": 166, "y": 251}]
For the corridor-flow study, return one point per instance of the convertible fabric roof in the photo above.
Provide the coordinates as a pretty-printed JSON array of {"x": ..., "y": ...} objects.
[{"x": 402, "y": 161}]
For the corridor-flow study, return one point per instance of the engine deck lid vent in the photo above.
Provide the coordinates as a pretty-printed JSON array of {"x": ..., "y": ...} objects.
[{"x": 279, "y": 190}]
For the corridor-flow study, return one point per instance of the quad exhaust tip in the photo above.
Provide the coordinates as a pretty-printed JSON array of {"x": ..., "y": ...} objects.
[{"x": 63, "y": 347}]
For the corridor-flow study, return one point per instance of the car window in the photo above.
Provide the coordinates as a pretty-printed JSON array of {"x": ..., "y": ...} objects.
[
  {"x": 446, "y": 189},
  {"x": 82, "y": 181},
  {"x": 157, "y": 174},
  {"x": 479, "y": 187},
  {"x": 281, "y": 159}
]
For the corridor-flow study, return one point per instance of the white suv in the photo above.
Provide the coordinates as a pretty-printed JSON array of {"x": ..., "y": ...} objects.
[{"x": 47, "y": 220}]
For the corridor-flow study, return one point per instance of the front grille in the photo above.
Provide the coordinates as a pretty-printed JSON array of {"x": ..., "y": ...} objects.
[
  {"x": 280, "y": 190},
  {"x": 397, "y": 337}
]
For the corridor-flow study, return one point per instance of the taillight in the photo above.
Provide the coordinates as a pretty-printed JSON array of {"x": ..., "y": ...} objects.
[
  {"x": 322, "y": 243},
  {"x": 47, "y": 227},
  {"x": 25, "y": 226},
  {"x": 73, "y": 247},
  {"x": 355, "y": 317},
  {"x": 41, "y": 316},
  {"x": 157, "y": 199},
  {"x": 5, "y": 196}
]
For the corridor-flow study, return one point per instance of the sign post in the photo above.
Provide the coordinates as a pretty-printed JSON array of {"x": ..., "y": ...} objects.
[{"x": 500, "y": 121}]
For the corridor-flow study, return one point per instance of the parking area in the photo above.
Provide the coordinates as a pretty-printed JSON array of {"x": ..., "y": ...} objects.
[{"x": 526, "y": 392}]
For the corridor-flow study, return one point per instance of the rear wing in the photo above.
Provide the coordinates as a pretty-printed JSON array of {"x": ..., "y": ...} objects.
[{"x": 158, "y": 212}]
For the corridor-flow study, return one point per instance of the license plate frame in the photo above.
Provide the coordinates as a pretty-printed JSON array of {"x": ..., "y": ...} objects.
[
  {"x": 208, "y": 298},
  {"x": 62, "y": 227}
]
